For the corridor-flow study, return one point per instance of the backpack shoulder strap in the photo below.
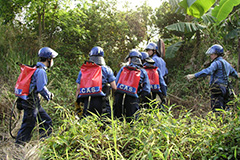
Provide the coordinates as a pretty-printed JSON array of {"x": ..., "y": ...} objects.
[{"x": 224, "y": 71}]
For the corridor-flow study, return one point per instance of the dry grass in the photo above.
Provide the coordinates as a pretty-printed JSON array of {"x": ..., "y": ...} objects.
[{"x": 9, "y": 150}]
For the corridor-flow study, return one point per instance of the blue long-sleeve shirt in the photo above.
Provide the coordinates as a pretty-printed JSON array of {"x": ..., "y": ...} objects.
[
  {"x": 39, "y": 81},
  {"x": 162, "y": 83},
  {"x": 161, "y": 64},
  {"x": 216, "y": 72}
]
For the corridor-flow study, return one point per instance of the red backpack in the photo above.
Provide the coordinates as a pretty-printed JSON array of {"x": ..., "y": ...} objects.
[
  {"x": 91, "y": 80},
  {"x": 153, "y": 78},
  {"x": 128, "y": 81},
  {"x": 24, "y": 80}
]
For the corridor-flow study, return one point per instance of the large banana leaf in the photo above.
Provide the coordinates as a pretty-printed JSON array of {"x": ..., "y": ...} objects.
[
  {"x": 208, "y": 18},
  {"x": 196, "y": 8},
  {"x": 223, "y": 9},
  {"x": 171, "y": 50},
  {"x": 185, "y": 27}
]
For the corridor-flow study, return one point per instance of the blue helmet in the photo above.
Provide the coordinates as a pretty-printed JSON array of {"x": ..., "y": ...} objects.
[
  {"x": 144, "y": 55},
  {"x": 146, "y": 58},
  {"x": 135, "y": 56},
  {"x": 135, "y": 53},
  {"x": 96, "y": 55},
  {"x": 215, "y": 49},
  {"x": 47, "y": 52},
  {"x": 151, "y": 46},
  {"x": 96, "y": 51}
]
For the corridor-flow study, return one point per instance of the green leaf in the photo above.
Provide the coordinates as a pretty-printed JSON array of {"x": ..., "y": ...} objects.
[
  {"x": 171, "y": 50},
  {"x": 197, "y": 8},
  {"x": 208, "y": 18},
  {"x": 150, "y": 157},
  {"x": 225, "y": 7},
  {"x": 190, "y": 2},
  {"x": 185, "y": 27}
]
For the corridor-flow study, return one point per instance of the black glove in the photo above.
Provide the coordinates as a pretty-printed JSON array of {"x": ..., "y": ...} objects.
[{"x": 78, "y": 109}]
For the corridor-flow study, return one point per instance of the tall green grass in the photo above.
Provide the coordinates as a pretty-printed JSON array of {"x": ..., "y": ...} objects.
[{"x": 155, "y": 135}]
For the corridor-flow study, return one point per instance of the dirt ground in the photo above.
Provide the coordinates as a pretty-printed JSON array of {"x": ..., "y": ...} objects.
[{"x": 9, "y": 150}]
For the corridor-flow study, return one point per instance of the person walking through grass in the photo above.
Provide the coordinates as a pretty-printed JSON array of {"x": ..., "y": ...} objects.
[
  {"x": 92, "y": 83},
  {"x": 33, "y": 111},
  {"x": 219, "y": 70}
]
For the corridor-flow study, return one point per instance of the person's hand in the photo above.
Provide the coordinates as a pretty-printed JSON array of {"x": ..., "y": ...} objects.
[
  {"x": 238, "y": 75},
  {"x": 190, "y": 76},
  {"x": 51, "y": 96}
]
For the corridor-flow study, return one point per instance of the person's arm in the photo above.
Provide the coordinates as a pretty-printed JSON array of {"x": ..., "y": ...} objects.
[
  {"x": 77, "y": 91},
  {"x": 78, "y": 84},
  {"x": 146, "y": 88},
  {"x": 111, "y": 79},
  {"x": 113, "y": 85},
  {"x": 118, "y": 75},
  {"x": 162, "y": 83},
  {"x": 205, "y": 72},
  {"x": 234, "y": 73},
  {"x": 41, "y": 82}
]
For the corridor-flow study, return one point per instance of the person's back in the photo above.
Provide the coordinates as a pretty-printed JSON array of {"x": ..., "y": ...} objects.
[
  {"x": 161, "y": 64},
  {"x": 158, "y": 85},
  {"x": 131, "y": 81},
  {"x": 102, "y": 75}
]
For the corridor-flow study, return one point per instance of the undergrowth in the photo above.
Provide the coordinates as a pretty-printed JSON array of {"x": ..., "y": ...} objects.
[
  {"x": 186, "y": 131},
  {"x": 155, "y": 135}
]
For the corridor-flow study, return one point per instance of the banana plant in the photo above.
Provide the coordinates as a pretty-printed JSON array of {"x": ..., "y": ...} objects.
[
  {"x": 197, "y": 8},
  {"x": 201, "y": 9}
]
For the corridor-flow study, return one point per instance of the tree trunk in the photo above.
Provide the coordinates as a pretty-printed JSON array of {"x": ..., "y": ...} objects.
[
  {"x": 43, "y": 18},
  {"x": 39, "y": 29}
]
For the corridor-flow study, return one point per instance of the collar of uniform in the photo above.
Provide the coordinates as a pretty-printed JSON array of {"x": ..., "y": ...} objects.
[
  {"x": 155, "y": 55},
  {"x": 217, "y": 59},
  {"x": 134, "y": 65},
  {"x": 40, "y": 64}
]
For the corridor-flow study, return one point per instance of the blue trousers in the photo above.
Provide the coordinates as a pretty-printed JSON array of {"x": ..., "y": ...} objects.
[{"x": 32, "y": 114}]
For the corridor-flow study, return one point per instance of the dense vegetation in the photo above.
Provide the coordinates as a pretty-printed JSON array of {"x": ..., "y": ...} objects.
[{"x": 187, "y": 130}]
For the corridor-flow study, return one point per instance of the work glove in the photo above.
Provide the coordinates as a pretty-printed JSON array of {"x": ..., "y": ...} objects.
[
  {"x": 238, "y": 75},
  {"x": 78, "y": 109},
  {"x": 51, "y": 96},
  {"x": 190, "y": 76}
]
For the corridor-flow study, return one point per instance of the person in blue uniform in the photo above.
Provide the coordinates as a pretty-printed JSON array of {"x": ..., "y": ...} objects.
[
  {"x": 95, "y": 100},
  {"x": 152, "y": 51},
  {"x": 158, "y": 85},
  {"x": 219, "y": 70},
  {"x": 32, "y": 107},
  {"x": 131, "y": 81}
]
